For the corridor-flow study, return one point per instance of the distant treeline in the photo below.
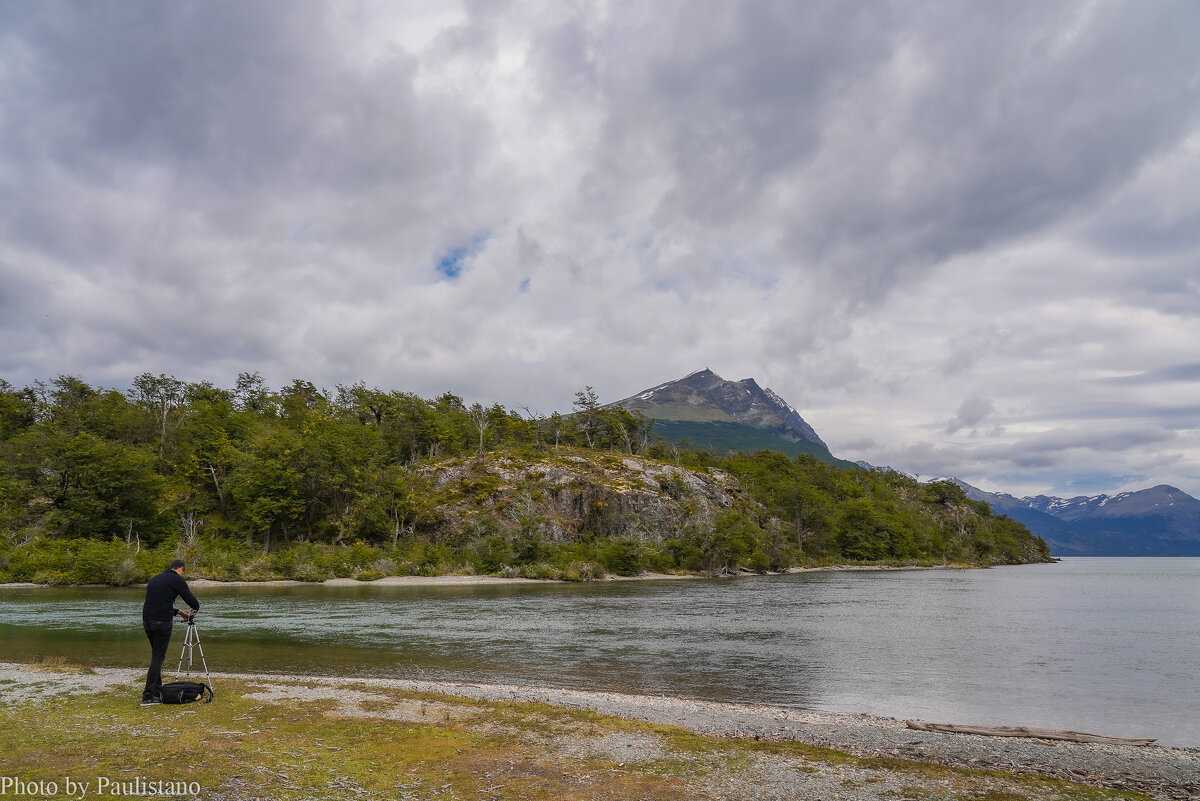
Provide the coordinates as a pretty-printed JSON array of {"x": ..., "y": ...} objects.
[{"x": 102, "y": 486}]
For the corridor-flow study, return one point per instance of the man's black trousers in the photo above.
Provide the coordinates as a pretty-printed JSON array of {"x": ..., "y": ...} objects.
[{"x": 159, "y": 634}]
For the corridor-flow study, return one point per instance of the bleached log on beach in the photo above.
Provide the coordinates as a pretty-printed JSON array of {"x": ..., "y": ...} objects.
[{"x": 1026, "y": 731}]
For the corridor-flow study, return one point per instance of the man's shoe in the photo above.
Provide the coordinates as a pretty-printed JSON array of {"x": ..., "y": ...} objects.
[{"x": 151, "y": 701}]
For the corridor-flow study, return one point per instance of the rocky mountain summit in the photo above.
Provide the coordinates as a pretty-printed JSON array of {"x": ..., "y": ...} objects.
[{"x": 709, "y": 411}]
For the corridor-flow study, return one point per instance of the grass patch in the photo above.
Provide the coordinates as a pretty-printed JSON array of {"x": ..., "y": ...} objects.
[
  {"x": 61, "y": 664},
  {"x": 366, "y": 742}
]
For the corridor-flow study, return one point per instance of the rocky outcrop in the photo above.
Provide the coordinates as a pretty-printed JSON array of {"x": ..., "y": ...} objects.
[{"x": 576, "y": 495}]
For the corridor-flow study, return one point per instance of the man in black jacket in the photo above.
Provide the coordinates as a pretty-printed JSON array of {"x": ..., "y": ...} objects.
[{"x": 158, "y": 614}]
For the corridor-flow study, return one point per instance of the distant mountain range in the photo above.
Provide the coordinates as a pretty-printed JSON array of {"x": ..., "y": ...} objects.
[
  {"x": 1160, "y": 521},
  {"x": 710, "y": 412}
]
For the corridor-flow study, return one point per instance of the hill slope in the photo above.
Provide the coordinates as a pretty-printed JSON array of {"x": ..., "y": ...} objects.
[{"x": 710, "y": 412}]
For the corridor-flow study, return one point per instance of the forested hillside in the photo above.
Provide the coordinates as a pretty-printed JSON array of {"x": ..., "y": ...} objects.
[{"x": 100, "y": 486}]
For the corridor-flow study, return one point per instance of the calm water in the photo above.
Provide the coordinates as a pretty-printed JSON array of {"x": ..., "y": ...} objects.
[{"x": 1104, "y": 645}]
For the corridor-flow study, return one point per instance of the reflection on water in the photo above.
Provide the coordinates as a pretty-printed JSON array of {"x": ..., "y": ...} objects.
[{"x": 1101, "y": 644}]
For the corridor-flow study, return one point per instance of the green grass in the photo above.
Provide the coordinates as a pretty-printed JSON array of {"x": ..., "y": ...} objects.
[{"x": 373, "y": 743}]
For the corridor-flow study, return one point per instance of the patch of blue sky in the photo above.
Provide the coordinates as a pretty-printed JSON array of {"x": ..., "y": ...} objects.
[
  {"x": 523, "y": 288},
  {"x": 454, "y": 261},
  {"x": 451, "y": 264}
]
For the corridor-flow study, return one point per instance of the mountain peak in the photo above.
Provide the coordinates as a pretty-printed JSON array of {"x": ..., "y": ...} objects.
[{"x": 706, "y": 399}]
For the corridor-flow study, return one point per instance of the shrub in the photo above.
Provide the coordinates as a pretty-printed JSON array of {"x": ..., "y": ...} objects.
[
  {"x": 492, "y": 553},
  {"x": 369, "y": 575},
  {"x": 540, "y": 570},
  {"x": 582, "y": 571},
  {"x": 623, "y": 557}
]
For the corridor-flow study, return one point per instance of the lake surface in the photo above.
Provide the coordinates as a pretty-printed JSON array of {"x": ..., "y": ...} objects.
[{"x": 1104, "y": 645}]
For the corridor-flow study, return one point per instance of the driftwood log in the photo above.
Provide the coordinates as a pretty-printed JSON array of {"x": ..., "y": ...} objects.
[{"x": 1026, "y": 731}]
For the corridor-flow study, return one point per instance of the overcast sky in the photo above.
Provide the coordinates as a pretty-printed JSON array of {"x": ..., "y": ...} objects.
[{"x": 961, "y": 238}]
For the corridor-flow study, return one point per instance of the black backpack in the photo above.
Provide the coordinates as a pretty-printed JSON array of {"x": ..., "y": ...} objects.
[{"x": 184, "y": 692}]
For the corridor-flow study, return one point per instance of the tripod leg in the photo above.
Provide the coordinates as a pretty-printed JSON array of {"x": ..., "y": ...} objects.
[
  {"x": 188, "y": 642},
  {"x": 203, "y": 661},
  {"x": 191, "y": 637},
  {"x": 182, "y": 650}
]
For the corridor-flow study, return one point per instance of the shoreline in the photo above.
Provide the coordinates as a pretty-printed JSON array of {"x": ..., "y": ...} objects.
[
  {"x": 1162, "y": 772},
  {"x": 466, "y": 580}
]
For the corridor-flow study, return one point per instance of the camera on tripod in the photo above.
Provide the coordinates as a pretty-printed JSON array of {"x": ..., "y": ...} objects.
[{"x": 191, "y": 641}]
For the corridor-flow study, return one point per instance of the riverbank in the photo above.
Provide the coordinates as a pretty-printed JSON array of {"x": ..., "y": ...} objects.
[
  {"x": 467, "y": 580},
  {"x": 284, "y": 737},
  {"x": 452, "y": 580}
]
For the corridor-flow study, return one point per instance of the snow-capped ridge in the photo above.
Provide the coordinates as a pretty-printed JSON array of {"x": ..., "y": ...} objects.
[{"x": 1159, "y": 521}]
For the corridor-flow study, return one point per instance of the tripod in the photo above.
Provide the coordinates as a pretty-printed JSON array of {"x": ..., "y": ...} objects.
[{"x": 192, "y": 640}]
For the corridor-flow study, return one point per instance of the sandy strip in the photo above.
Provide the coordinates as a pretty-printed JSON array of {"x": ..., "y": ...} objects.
[
  {"x": 453, "y": 581},
  {"x": 420, "y": 581},
  {"x": 386, "y": 581}
]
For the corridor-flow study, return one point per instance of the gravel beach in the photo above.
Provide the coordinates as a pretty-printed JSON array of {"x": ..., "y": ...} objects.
[{"x": 1159, "y": 772}]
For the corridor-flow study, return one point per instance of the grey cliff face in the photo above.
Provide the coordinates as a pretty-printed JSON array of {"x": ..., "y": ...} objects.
[{"x": 623, "y": 496}]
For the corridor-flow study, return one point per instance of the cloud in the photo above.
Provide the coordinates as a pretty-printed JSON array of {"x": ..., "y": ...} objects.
[
  {"x": 1188, "y": 373},
  {"x": 971, "y": 413},
  {"x": 878, "y": 210}
]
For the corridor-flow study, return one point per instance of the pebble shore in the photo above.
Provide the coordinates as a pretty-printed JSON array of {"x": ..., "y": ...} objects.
[{"x": 1158, "y": 771}]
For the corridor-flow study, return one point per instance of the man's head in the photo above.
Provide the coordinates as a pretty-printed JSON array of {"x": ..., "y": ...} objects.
[{"x": 176, "y": 565}]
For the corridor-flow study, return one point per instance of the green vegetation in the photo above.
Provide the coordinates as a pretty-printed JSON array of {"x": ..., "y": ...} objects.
[
  {"x": 99, "y": 486},
  {"x": 880, "y": 515},
  {"x": 723, "y": 436}
]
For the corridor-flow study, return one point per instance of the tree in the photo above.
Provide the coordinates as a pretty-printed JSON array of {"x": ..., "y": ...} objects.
[
  {"x": 92, "y": 487},
  {"x": 300, "y": 398},
  {"x": 558, "y": 427},
  {"x": 408, "y": 501},
  {"x": 630, "y": 429},
  {"x": 267, "y": 487},
  {"x": 587, "y": 409},
  {"x": 251, "y": 394},
  {"x": 160, "y": 395},
  {"x": 18, "y": 410},
  {"x": 207, "y": 445},
  {"x": 479, "y": 416},
  {"x": 862, "y": 532},
  {"x": 368, "y": 405}
]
